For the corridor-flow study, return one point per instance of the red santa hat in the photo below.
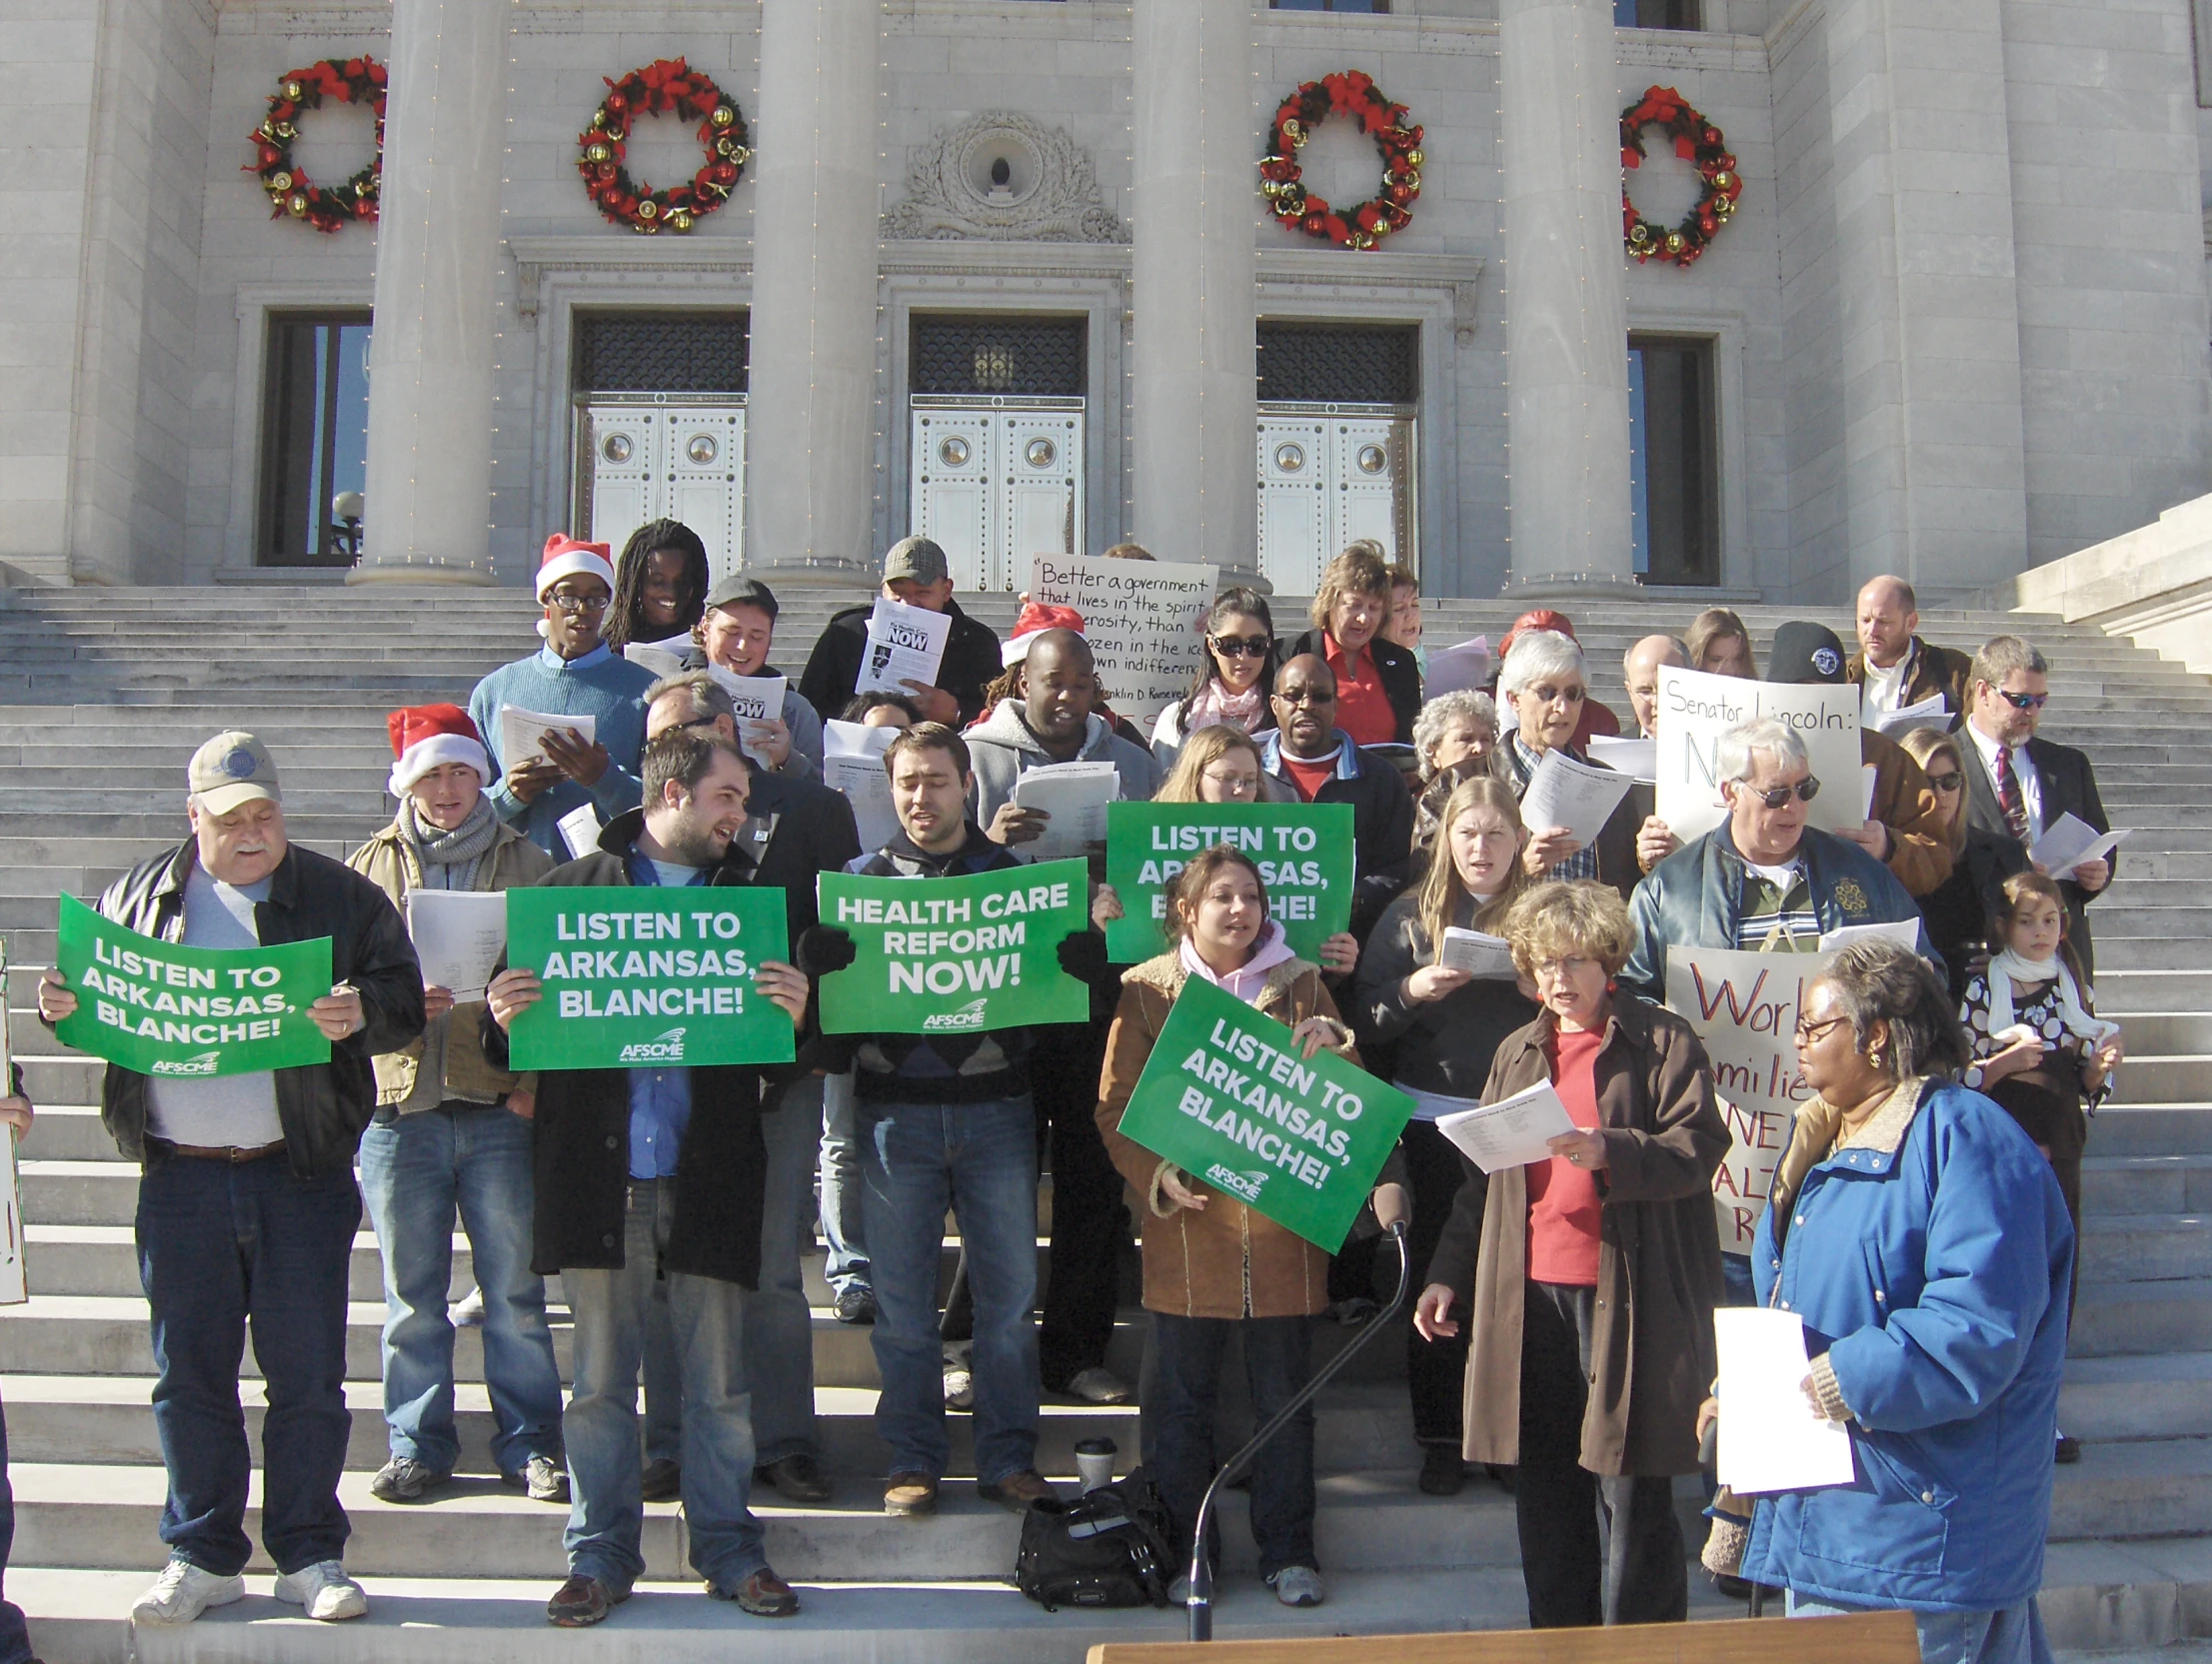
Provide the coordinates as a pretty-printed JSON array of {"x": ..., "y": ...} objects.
[
  {"x": 565, "y": 556},
  {"x": 426, "y": 735},
  {"x": 1034, "y": 619}
]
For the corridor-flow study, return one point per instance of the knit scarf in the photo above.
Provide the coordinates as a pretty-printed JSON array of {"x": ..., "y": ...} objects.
[
  {"x": 469, "y": 844},
  {"x": 2004, "y": 967},
  {"x": 1216, "y": 704}
]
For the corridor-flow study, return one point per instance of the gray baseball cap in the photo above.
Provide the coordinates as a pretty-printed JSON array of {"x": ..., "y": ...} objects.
[
  {"x": 918, "y": 559},
  {"x": 232, "y": 769}
]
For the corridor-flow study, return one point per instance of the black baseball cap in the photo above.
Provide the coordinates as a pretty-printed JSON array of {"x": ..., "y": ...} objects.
[{"x": 737, "y": 590}]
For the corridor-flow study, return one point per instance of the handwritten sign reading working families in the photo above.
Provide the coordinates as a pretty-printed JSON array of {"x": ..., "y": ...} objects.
[
  {"x": 1744, "y": 1007},
  {"x": 1142, "y": 618},
  {"x": 1695, "y": 710},
  {"x": 956, "y": 955},
  {"x": 164, "y": 1009},
  {"x": 1226, "y": 1098},
  {"x": 646, "y": 977},
  {"x": 1303, "y": 852}
]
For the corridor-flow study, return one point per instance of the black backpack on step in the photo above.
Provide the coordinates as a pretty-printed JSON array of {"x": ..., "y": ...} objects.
[{"x": 1107, "y": 1548}]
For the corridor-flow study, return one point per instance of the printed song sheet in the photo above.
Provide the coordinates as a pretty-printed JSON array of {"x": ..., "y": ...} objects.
[
  {"x": 1487, "y": 957},
  {"x": 853, "y": 767},
  {"x": 1929, "y": 713},
  {"x": 1511, "y": 1132},
  {"x": 1453, "y": 669},
  {"x": 1564, "y": 793},
  {"x": 1637, "y": 759},
  {"x": 1904, "y": 932},
  {"x": 521, "y": 732},
  {"x": 579, "y": 830},
  {"x": 2070, "y": 840},
  {"x": 904, "y": 643},
  {"x": 457, "y": 936},
  {"x": 1075, "y": 796},
  {"x": 1771, "y": 1438}
]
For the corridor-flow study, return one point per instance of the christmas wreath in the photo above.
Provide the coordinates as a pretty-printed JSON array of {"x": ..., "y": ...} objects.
[
  {"x": 325, "y": 207},
  {"x": 1696, "y": 141},
  {"x": 1350, "y": 94},
  {"x": 666, "y": 87}
]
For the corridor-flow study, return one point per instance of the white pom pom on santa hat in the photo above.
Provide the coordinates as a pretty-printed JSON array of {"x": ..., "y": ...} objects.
[
  {"x": 565, "y": 556},
  {"x": 427, "y": 735}
]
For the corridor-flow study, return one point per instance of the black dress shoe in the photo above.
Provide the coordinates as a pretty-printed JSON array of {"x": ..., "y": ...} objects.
[
  {"x": 662, "y": 1482},
  {"x": 1442, "y": 1472},
  {"x": 796, "y": 1476},
  {"x": 2069, "y": 1450}
]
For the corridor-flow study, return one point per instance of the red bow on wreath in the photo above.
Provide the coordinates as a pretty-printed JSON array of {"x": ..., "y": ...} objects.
[
  {"x": 668, "y": 86},
  {"x": 325, "y": 207},
  {"x": 1349, "y": 93},
  {"x": 1696, "y": 141}
]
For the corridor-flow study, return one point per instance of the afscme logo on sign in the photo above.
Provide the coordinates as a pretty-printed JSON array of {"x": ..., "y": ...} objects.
[
  {"x": 662, "y": 1048},
  {"x": 1247, "y": 1186},
  {"x": 200, "y": 1063},
  {"x": 969, "y": 1015}
]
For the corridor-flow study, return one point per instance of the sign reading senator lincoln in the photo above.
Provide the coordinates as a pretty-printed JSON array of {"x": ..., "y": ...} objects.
[
  {"x": 642, "y": 977},
  {"x": 1695, "y": 710}
]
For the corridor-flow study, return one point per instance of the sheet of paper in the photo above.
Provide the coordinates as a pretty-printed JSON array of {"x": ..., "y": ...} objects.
[
  {"x": 521, "y": 732},
  {"x": 661, "y": 658},
  {"x": 457, "y": 936},
  {"x": 1453, "y": 669},
  {"x": 1075, "y": 796},
  {"x": 1867, "y": 776},
  {"x": 14, "y": 1283},
  {"x": 1771, "y": 1438},
  {"x": 1511, "y": 1132},
  {"x": 579, "y": 830},
  {"x": 853, "y": 767},
  {"x": 904, "y": 643},
  {"x": 1564, "y": 793},
  {"x": 1929, "y": 713},
  {"x": 1489, "y": 958},
  {"x": 2068, "y": 842},
  {"x": 1904, "y": 932},
  {"x": 1637, "y": 759},
  {"x": 759, "y": 700}
]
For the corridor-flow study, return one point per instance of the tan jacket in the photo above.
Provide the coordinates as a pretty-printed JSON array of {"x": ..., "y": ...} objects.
[
  {"x": 1904, "y": 801},
  {"x": 386, "y": 861},
  {"x": 1224, "y": 1260}
]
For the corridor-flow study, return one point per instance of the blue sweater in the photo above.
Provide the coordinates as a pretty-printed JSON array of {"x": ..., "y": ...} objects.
[{"x": 598, "y": 684}]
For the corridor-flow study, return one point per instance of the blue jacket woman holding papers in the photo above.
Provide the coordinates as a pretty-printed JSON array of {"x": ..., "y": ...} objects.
[{"x": 1926, "y": 1244}]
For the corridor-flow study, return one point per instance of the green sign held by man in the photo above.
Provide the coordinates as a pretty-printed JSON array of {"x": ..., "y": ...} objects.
[
  {"x": 1303, "y": 851},
  {"x": 1226, "y": 1098}
]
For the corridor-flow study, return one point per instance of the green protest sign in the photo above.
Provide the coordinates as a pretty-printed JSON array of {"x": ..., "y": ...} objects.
[
  {"x": 956, "y": 955},
  {"x": 1227, "y": 1099},
  {"x": 160, "y": 1008},
  {"x": 1302, "y": 850},
  {"x": 645, "y": 978}
]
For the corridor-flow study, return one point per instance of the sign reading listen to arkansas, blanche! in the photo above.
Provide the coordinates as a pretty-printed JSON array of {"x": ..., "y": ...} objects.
[
  {"x": 1303, "y": 852},
  {"x": 639, "y": 978}
]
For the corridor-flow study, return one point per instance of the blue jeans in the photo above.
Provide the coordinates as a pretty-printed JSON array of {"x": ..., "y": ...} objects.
[
  {"x": 778, "y": 1324},
  {"x": 980, "y": 1160},
  {"x": 416, "y": 1173},
  {"x": 841, "y": 1186},
  {"x": 15, "y": 1639},
  {"x": 222, "y": 1247},
  {"x": 2011, "y": 1636},
  {"x": 707, "y": 1317},
  {"x": 1186, "y": 1383}
]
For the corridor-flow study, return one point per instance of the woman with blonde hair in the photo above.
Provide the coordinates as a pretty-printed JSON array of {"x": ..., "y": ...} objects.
[
  {"x": 1378, "y": 686},
  {"x": 1958, "y": 910},
  {"x": 1434, "y": 1032},
  {"x": 1598, "y": 1270}
]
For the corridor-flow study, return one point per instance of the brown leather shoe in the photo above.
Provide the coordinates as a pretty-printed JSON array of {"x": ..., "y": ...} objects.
[
  {"x": 1018, "y": 1490},
  {"x": 581, "y": 1602},
  {"x": 910, "y": 1495},
  {"x": 763, "y": 1594},
  {"x": 797, "y": 1477},
  {"x": 662, "y": 1482}
]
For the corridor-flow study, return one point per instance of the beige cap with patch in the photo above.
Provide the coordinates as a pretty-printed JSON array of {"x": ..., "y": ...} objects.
[{"x": 232, "y": 769}]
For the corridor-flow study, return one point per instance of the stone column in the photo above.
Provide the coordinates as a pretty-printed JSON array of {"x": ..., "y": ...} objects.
[
  {"x": 1566, "y": 298},
  {"x": 1195, "y": 197},
  {"x": 429, "y": 476},
  {"x": 810, "y": 425}
]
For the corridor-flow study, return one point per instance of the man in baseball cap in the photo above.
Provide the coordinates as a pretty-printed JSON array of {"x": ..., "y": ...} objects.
[
  {"x": 275, "y": 1147},
  {"x": 916, "y": 571}
]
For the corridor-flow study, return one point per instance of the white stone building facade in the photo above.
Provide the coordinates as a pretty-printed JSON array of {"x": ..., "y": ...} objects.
[{"x": 1957, "y": 328}]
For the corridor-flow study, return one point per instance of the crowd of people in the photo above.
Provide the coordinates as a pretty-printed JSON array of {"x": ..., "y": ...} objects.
[{"x": 1564, "y": 1338}]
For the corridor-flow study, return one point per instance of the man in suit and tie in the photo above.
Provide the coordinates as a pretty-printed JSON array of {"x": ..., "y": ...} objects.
[
  {"x": 1894, "y": 668},
  {"x": 2018, "y": 785}
]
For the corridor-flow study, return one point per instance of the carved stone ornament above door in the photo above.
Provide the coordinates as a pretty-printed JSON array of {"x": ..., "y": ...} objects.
[{"x": 1004, "y": 177}]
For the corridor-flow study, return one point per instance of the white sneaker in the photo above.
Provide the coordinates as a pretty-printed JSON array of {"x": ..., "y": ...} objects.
[
  {"x": 1297, "y": 1586},
  {"x": 467, "y": 1312},
  {"x": 182, "y": 1592},
  {"x": 325, "y": 1590}
]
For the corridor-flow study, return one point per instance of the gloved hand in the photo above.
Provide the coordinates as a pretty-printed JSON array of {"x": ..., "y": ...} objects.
[
  {"x": 1084, "y": 956},
  {"x": 824, "y": 949}
]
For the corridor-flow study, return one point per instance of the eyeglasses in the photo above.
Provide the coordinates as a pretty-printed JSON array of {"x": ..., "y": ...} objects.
[
  {"x": 1807, "y": 1032},
  {"x": 1242, "y": 646},
  {"x": 1564, "y": 969},
  {"x": 1236, "y": 786},
  {"x": 572, "y": 605},
  {"x": 1947, "y": 783},
  {"x": 2025, "y": 702},
  {"x": 1305, "y": 696},
  {"x": 1548, "y": 695},
  {"x": 1804, "y": 791}
]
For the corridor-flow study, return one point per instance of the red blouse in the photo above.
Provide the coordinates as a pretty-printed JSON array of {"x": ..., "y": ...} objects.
[
  {"x": 1563, "y": 1198},
  {"x": 1363, "y": 707}
]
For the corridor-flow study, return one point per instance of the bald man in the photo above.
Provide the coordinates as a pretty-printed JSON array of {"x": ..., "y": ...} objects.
[
  {"x": 1640, "y": 671},
  {"x": 1894, "y": 668},
  {"x": 1054, "y": 718}
]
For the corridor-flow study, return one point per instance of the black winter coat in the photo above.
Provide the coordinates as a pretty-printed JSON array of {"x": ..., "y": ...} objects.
[
  {"x": 322, "y": 1106},
  {"x": 970, "y": 662}
]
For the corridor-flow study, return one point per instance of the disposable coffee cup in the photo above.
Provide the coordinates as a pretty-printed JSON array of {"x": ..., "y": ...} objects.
[{"x": 1095, "y": 1462}]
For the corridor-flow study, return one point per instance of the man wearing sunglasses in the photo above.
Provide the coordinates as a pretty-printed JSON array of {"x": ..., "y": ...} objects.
[
  {"x": 2018, "y": 784},
  {"x": 574, "y": 675}
]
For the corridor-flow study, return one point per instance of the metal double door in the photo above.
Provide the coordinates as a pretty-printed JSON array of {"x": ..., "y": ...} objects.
[
  {"x": 662, "y": 456},
  {"x": 996, "y": 482},
  {"x": 1330, "y": 475}
]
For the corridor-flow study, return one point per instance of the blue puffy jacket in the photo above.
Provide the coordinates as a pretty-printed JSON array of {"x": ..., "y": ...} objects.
[{"x": 1931, "y": 1262}]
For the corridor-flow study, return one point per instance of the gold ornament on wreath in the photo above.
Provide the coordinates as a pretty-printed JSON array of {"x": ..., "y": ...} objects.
[
  {"x": 1697, "y": 142},
  {"x": 668, "y": 86},
  {"x": 291, "y": 193},
  {"x": 1352, "y": 94}
]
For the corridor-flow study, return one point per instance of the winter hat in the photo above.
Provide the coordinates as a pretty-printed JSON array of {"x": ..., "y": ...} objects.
[
  {"x": 565, "y": 556},
  {"x": 426, "y": 735},
  {"x": 1542, "y": 618},
  {"x": 1036, "y": 617},
  {"x": 1805, "y": 651}
]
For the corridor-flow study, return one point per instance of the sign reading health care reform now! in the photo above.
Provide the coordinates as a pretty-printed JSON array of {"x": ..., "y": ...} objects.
[
  {"x": 956, "y": 955},
  {"x": 1226, "y": 1098},
  {"x": 1302, "y": 850},
  {"x": 160, "y": 1008},
  {"x": 645, "y": 978}
]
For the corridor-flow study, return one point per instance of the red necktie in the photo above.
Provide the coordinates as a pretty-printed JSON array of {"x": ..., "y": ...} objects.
[{"x": 2009, "y": 796}]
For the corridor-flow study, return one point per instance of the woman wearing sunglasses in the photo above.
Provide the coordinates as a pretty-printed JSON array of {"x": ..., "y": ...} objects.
[
  {"x": 1958, "y": 910},
  {"x": 1236, "y": 680}
]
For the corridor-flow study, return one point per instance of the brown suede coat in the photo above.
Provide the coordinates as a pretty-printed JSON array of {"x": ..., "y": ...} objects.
[
  {"x": 1224, "y": 1260},
  {"x": 1658, "y": 1267},
  {"x": 1904, "y": 801}
]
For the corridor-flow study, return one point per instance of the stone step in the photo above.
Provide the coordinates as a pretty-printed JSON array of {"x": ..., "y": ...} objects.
[
  {"x": 2147, "y": 1129},
  {"x": 2150, "y": 1488},
  {"x": 2159, "y": 1395},
  {"x": 2126, "y": 989},
  {"x": 2163, "y": 1080},
  {"x": 2146, "y": 1183},
  {"x": 2144, "y": 1247},
  {"x": 2118, "y": 1319}
]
